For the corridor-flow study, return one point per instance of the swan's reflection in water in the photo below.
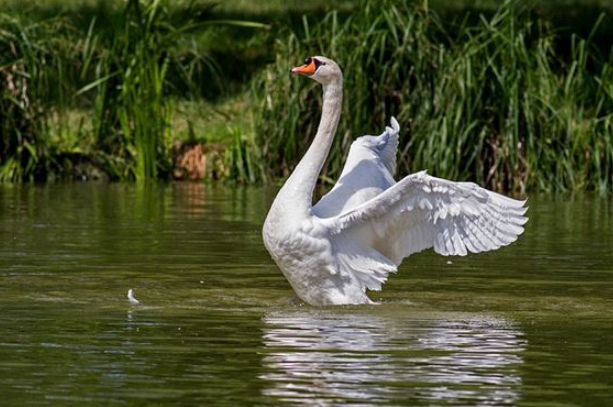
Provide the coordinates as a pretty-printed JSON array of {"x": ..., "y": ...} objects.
[{"x": 317, "y": 357}]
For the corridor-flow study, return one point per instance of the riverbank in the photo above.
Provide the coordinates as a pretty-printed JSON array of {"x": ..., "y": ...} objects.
[{"x": 514, "y": 98}]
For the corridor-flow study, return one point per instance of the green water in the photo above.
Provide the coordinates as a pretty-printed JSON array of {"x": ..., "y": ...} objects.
[{"x": 529, "y": 325}]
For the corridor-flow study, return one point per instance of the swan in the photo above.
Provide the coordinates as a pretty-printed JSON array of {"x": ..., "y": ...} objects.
[{"x": 358, "y": 233}]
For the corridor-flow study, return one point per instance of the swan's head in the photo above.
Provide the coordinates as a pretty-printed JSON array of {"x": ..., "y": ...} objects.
[{"x": 322, "y": 69}]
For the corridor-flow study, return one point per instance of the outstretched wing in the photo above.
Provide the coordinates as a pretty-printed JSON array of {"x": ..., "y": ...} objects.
[
  {"x": 421, "y": 211},
  {"x": 368, "y": 171}
]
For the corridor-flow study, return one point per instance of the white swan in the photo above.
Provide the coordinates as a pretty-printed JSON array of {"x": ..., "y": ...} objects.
[{"x": 358, "y": 233}]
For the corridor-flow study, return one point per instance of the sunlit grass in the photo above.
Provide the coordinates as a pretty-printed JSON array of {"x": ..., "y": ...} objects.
[{"x": 208, "y": 122}]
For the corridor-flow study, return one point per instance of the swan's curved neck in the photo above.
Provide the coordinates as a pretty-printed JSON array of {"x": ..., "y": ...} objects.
[{"x": 298, "y": 189}]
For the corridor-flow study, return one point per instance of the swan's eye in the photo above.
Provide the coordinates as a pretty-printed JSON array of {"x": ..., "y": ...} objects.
[
  {"x": 318, "y": 63},
  {"x": 308, "y": 60}
]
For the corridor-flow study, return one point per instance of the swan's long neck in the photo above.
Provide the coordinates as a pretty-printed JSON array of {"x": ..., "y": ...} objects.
[{"x": 298, "y": 189}]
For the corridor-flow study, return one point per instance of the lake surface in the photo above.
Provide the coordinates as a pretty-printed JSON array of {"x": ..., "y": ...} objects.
[{"x": 528, "y": 325}]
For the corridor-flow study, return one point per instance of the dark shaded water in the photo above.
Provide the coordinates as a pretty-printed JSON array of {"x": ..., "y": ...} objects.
[{"x": 529, "y": 325}]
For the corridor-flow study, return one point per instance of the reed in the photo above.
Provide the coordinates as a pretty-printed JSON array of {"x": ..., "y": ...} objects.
[
  {"x": 131, "y": 111},
  {"x": 23, "y": 155},
  {"x": 490, "y": 101},
  {"x": 123, "y": 74},
  {"x": 495, "y": 98}
]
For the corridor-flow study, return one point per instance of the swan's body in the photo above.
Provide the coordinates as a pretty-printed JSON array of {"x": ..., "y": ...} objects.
[{"x": 358, "y": 233}]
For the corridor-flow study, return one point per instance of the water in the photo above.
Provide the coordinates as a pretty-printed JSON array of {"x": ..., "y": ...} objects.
[{"x": 529, "y": 325}]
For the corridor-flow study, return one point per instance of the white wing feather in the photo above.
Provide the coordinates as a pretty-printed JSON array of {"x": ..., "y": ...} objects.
[
  {"x": 388, "y": 147},
  {"x": 368, "y": 171},
  {"x": 421, "y": 211},
  {"x": 369, "y": 267}
]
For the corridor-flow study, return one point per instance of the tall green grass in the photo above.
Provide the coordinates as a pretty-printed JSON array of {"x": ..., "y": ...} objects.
[
  {"x": 124, "y": 75},
  {"x": 498, "y": 99},
  {"x": 131, "y": 111},
  {"x": 144, "y": 58},
  {"x": 490, "y": 101},
  {"x": 23, "y": 153}
]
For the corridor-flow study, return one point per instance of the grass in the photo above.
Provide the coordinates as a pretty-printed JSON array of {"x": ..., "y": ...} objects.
[
  {"x": 490, "y": 101},
  {"x": 513, "y": 97},
  {"x": 24, "y": 142},
  {"x": 132, "y": 67},
  {"x": 131, "y": 108}
]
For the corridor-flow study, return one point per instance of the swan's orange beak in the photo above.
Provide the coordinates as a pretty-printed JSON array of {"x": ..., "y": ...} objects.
[{"x": 306, "y": 69}]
